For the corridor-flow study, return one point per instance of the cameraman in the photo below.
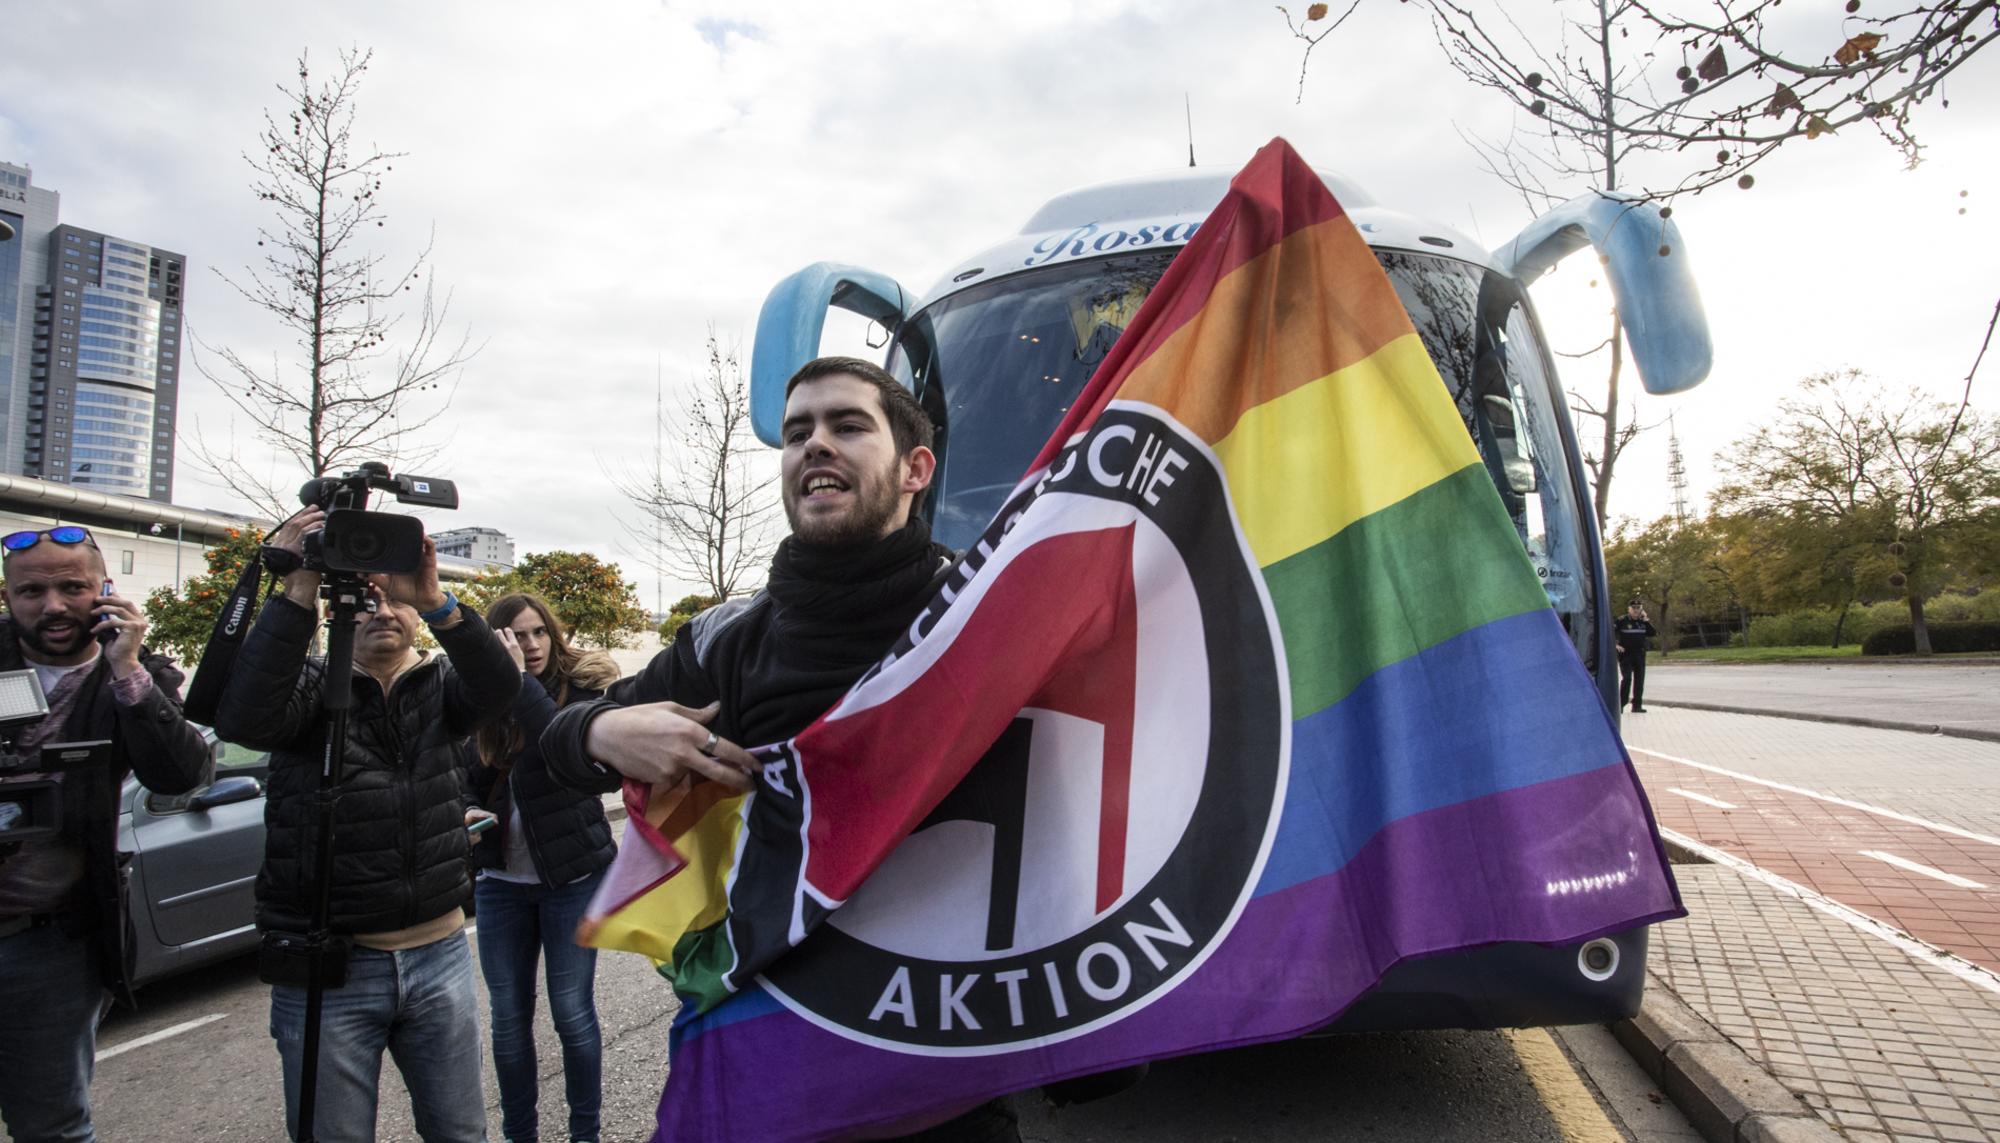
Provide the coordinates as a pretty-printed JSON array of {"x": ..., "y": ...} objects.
[
  {"x": 399, "y": 872},
  {"x": 63, "y": 934}
]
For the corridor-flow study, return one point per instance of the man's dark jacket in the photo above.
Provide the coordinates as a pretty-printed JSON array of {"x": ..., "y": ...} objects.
[
  {"x": 782, "y": 658},
  {"x": 399, "y": 821},
  {"x": 778, "y": 659},
  {"x": 568, "y": 836},
  {"x": 1632, "y": 635},
  {"x": 151, "y": 740}
]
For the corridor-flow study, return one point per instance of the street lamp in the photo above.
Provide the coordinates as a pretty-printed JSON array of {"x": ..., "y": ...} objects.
[{"x": 157, "y": 530}]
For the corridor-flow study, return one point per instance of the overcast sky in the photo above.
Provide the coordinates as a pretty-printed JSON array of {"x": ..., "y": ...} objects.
[{"x": 606, "y": 180}]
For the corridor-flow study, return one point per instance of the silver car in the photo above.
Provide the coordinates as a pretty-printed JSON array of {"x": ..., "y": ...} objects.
[{"x": 195, "y": 858}]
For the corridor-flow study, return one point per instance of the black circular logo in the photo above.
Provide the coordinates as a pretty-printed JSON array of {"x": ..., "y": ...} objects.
[{"x": 1104, "y": 845}]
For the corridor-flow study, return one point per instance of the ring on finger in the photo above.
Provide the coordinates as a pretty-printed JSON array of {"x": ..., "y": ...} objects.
[{"x": 708, "y": 747}]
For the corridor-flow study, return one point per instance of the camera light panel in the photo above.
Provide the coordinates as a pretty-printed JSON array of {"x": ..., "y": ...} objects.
[{"x": 21, "y": 696}]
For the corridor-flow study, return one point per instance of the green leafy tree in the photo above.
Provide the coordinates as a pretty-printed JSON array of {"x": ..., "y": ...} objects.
[
  {"x": 591, "y": 597},
  {"x": 1670, "y": 564},
  {"x": 684, "y": 609},
  {"x": 1901, "y": 476},
  {"x": 1790, "y": 560},
  {"x": 180, "y": 621}
]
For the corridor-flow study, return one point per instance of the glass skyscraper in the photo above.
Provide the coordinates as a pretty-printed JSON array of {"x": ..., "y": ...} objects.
[
  {"x": 31, "y": 212},
  {"x": 96, "y": 402}
]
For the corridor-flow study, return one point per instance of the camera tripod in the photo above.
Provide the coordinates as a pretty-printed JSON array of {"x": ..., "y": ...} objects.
[{"x": 346, "y": 596}]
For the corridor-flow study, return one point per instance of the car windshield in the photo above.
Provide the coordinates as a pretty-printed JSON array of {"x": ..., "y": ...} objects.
[{"x": 998, "y": 365}]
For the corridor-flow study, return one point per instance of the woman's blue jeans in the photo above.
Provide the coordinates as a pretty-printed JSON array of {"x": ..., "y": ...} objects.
[{"x": 518, "y": 923}]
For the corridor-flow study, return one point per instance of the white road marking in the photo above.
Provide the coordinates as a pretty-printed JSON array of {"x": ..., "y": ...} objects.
[
  {"x": 1704, "y": 799},
  {"x": 1921, "y": 950},
  {"x": 156, "y": 1037},
  {"x": 1925, "y": 870},
  {"x": 1852, "y": 805}
]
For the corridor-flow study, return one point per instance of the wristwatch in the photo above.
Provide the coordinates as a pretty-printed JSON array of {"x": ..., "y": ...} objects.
[{"x": 443, "y": 612}]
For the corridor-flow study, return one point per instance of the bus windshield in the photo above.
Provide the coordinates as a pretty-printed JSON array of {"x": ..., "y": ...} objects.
[{"x": 998, "y": 365}]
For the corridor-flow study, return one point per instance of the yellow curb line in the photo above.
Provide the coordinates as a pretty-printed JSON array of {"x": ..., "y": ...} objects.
[{"x": 1570, "y": 1103}]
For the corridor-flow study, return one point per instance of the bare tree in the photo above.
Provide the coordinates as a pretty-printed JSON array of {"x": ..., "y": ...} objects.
[
  {"x": 1597, "y": 90},
  {"x": 1601, "y": 461},
  {"x": 348, "y": 396},
  {"x": 1571, "y": 153},
  {"x": 1303, "y": 30},
  {"x": 711, "y": 518},
  {"x": 1746, "y": 77}
]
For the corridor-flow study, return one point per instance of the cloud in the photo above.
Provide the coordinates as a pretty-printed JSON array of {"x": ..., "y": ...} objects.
[
  {"x": 601, "y": 187},
  {"x": 719, "y": 33}
]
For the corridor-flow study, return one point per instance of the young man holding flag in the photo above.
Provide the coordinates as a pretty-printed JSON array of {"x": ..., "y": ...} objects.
[{"x": 856, "y": 570}]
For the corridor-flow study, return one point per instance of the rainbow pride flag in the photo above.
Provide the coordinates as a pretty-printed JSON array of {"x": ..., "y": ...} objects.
[{"x": 1249, "y": 693}]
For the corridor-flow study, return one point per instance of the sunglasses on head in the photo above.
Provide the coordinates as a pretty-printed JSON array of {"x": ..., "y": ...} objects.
[{"x": 68, "y": 535}]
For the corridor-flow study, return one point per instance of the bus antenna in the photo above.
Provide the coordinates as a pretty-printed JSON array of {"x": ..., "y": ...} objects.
[{"x": 1188, "y": 106}]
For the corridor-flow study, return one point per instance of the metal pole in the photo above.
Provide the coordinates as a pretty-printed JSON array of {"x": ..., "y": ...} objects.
[
  {"x": 177, "y": 559},
  {"x": 344, "y": 593}
]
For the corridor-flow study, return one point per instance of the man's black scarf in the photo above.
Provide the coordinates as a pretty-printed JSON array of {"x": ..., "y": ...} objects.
[{"x": 878, "y": 585}]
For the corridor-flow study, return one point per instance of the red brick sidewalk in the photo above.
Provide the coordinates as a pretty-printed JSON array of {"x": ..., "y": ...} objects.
[
  {"x": 1791, "y": 948},
  {"x": 1859, "y": 854}
]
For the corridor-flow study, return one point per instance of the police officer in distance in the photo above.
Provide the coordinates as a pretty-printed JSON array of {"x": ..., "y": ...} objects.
[{"x": 1634, "y": 630}]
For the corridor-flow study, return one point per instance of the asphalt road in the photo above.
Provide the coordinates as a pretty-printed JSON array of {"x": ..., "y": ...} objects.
[
  {"x": 1964, "y": 696},
  {"x": 218, "y": 1080},
  {"x": 196, "y": 1062}
]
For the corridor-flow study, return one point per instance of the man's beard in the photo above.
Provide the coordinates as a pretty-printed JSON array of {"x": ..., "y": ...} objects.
[
  {"x": 32, "y": 636},
  {"x": 876, "y": 501}
]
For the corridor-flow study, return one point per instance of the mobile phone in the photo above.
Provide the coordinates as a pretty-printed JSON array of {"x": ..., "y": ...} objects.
[
  {"x": 482, "y": 825},
  {"x": 105, "y": 638}
]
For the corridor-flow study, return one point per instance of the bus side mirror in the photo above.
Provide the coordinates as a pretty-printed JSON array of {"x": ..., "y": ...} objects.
[
  {"x": 794, "y": 316},
  {"x": 1507, "y": 434},
  {"x": 1658, "y": 304}
]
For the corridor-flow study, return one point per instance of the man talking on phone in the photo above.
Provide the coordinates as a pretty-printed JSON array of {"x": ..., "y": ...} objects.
[
  {"x": 399, "y": 877},
  {"x": 62, "y": 923},
  {"x": 1633, "y": 629}
]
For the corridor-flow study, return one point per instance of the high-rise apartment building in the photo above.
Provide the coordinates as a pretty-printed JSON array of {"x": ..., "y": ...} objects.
[
  {"x": 31, "y": 212},
  {"x": 89, "y": 366}
]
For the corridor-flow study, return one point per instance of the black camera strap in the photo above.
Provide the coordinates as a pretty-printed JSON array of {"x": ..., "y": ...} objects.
[{"x": 232, "y": 626}]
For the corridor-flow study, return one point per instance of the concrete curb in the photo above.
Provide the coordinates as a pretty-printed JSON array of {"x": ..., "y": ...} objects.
[
  {"x": 1842, "y": 719},
  {"x": 1725, "y": 1094},
  {"x": 1980, "y": 659}
]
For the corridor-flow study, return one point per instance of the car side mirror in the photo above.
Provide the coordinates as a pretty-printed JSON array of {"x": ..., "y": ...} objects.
[{"x": 227, "y": 792}]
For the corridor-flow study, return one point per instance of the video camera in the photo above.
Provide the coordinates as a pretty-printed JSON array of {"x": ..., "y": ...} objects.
[
  {"x": 358, "y": 540},
  {"x": 30, "y": 794}
]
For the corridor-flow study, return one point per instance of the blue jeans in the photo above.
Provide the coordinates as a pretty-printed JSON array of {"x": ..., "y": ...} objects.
[
  {"x": 516, "y": 924},
  {"x": 421, "y": 1005},
  {"x": 50, "y": 998}
]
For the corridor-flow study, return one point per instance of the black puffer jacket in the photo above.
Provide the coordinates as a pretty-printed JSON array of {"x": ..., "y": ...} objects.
[
  {"x": 399, "y": 821},
  {"x": 568, "y": 836}
]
